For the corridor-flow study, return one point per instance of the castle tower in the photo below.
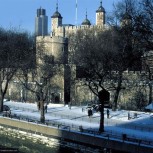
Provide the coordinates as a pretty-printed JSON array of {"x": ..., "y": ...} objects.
[
  {"x": 86, "y": 21},
  {"x": 126, "y": 19},
  {"x": 100, "y": 15},
  {"x": 56, "y": 20},
  {"x": 41, "y": 23}
]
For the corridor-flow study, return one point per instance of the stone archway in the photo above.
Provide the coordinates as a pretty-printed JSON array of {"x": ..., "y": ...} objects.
[{"x": 55, "y": 98}]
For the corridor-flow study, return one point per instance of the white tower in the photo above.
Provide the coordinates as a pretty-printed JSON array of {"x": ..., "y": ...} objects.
[
  {"x": 100, "y": 15},
  {"x": 56, "y": 20}
]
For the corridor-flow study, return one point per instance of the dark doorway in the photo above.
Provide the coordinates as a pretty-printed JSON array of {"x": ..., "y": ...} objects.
[
  {"x": 67, "y": 84},
  {"x": 57, "y": 99}
]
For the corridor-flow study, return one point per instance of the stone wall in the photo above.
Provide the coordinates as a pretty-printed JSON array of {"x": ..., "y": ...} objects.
[
  {"x": 133, "y": 84},
  {"x": 78, "y": 137}
]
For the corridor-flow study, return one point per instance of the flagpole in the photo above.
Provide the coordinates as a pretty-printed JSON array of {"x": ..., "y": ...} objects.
[{"x": 76, "y": 12}]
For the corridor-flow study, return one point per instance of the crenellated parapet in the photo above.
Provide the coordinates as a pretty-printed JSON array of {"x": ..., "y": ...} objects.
[
  {"x": 59, "y": 29},
  {"x": 64, "y": 31},
  {"x": 51, "y": 39}
]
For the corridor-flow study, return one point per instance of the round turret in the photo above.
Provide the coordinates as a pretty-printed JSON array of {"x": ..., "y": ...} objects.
[
  {"x": 100, "y": 15},
  {"x": 100, "y": 9},
  {"x": 126, "y": 19},
  {"x": 56, "y": 21},
  {"x": 56, "y": 14},
  {"x": 86, "y": 21}
]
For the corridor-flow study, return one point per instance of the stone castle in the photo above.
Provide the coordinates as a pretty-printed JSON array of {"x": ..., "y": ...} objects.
[
  {"x": 66, "y": 87},
  {"x": 63, "y": 30},
  {"x": 71, "y": 87},
  {"x": 56, "y": 45}
]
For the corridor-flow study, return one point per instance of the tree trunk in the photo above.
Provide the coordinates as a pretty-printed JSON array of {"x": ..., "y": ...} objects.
[
  {"x": 1, "y": 101},
  {"x": 42, "y": 112},
  {"x": 150, "y": 93},
  {"x": 4, "y": 88},
  {"x": 26, "y": 86},
  {"x": 1, "y": 93},
  {"x": 101, "y": 126},
  {"x": 1, "y": 104},
  {"x": 116, "y": 99},
  {"x": 117, "y": 91}
]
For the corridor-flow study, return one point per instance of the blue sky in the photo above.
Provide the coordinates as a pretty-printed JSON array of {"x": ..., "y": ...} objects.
[{"x": 21, "y": 13}]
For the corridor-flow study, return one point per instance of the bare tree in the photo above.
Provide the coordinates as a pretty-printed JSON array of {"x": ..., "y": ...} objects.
[
  {"x": 37, "y": 79},
  {"x": 147, "y": 67},
  {"x": 99, "y": 52},
  {"x": 137, "y": 33},
  {"x": 130, "y": 44},
  {"x": 144, "y": 28},
  {"x": 93, "y": 55},
  {"x": 14, "y": 49}
]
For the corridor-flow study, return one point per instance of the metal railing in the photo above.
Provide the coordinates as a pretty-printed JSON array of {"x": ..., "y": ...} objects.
[
  {"x": 94, "y": 132},
  {"x": 91, "y": 120}
]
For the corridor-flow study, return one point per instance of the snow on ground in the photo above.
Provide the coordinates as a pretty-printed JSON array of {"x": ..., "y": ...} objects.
[
  {"x": 149, "y": 107},
  {"x": 140, "y": 127}
]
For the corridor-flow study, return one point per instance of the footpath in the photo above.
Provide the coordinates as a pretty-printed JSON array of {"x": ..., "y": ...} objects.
[{"x": 138, "y": 131}]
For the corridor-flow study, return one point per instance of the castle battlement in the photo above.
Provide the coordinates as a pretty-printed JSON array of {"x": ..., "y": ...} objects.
[
  {"x": 59, "y": 29},
  {"x": 63, "y": 30},
  {"x": 130, "y": 73},
  {"x": 79, "y": 27},
  {"x": 52, "y": 39}
]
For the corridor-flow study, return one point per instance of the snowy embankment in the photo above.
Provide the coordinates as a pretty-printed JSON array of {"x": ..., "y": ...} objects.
[{"x": 139, "y": 126}]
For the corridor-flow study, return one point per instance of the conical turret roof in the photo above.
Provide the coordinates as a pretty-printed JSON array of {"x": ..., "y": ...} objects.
[
  {"x": 86, "y": 21},
  {"x": 100, "y": 9},
  {"x": 56, "y": 14}
]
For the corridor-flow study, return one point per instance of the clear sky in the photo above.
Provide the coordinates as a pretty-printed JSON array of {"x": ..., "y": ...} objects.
[{"x": 21, "y": 13}]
